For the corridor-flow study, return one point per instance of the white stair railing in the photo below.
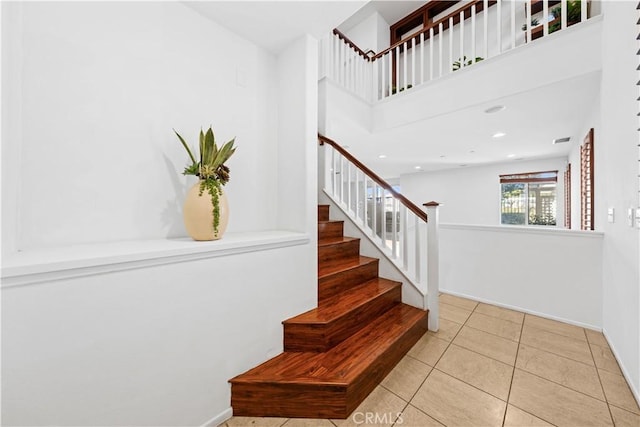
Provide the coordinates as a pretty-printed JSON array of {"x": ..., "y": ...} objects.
[
  {"x": 404, "y": 233},
  {"x": 474, "y": 32}
]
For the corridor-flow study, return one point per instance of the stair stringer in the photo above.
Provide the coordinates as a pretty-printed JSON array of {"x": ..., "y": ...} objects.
[{"x": 411, "y": 295}]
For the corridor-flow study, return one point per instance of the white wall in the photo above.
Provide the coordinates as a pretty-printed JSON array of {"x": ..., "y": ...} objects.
[
  {"x": 372, "y": 33},
  {"x": 101, "y": 87},
  {"x": 495, "y": 265},
  {"x": 471, "y": 195},
  {"x": 616, "y": 169},
  {"x": 91, "y": 92}
]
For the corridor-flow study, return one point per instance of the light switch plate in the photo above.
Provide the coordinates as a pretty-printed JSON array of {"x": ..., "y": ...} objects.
[
  {"x": 638, "y": 217},
  {"x": 610, "y": 215}
]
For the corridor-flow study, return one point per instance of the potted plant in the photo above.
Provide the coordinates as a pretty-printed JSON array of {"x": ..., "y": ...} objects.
[
  {"x": 458, "y": 64},
  {"x": 206, "y": 215}
]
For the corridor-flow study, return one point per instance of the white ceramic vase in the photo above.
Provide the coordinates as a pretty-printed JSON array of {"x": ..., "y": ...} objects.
[{"x": 198, "y": 214}]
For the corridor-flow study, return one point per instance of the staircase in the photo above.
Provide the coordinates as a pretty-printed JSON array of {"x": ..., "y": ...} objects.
[{"x": 336, "y": 354}]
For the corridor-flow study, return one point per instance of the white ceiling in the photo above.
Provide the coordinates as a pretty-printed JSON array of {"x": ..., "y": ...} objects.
[
  {"x": 274, "y": 24},
  {"x": 531, "y": 120}
]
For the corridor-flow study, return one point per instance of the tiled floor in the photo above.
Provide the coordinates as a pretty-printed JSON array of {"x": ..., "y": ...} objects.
[{"x": 488, "y": 366}]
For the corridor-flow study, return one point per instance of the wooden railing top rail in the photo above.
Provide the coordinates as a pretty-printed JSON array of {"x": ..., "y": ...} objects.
[
  {"x": 371, "y": 174},
  {"x": 445, "y": 21},
  {"x": 352, "y": 44}
]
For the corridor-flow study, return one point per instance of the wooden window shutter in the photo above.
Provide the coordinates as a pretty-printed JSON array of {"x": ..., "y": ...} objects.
[
  {"x": 567, "y": 197},
  {"x": 586, "y": 183}
]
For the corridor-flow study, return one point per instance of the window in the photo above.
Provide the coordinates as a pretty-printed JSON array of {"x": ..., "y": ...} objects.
[{"x": 528, "y": 198}]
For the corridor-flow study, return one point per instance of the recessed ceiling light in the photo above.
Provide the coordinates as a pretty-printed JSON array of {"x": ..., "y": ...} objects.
[
  {"x": 418, "y": 167},
  {"x": 464, "y": 165},
  {"x": 472, "y": 151},
  {"x": 443, "y": 156},
  {"x": 382, "y": 156},
  {"x": 498, "y": 135},
  {"x": 495, "y": 109},
  {"x": 511, "y": 156},
  {"x": 561, "y": 140}
]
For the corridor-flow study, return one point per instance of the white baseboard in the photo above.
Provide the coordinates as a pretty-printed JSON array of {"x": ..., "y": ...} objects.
[
  {"x": 625, "y": 373},
  {"x": 219, "y": 419}
]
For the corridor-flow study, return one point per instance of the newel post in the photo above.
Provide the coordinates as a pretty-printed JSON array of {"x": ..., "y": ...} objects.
[{"x": 433, "y": 263}]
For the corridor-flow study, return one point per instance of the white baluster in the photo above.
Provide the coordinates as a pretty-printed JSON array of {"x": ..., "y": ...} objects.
[
  {"x": 583, "y": 11},
  {"x": 390, "y": 59},
  {"x": 413, "y": 61},
  {"x": 473, "y": 33},
  {"x": 397, "y": 69},
  {"x": 563, "y": 14},
  {"x": 418, "y": 261},
  {"x": 405, "y": 237},
  {"x": 365, "y": 209},
  {"x": 383, "y": 220},
  {"x": 405, "y": 67},
  {"x": 334, "y": 172},
  {"x": 343, "y": 64},
  {"x": 394, "y": 228},
  {"x": 485, "y": 16},
  {"x": 348, "y": 186},
  {"x": 462, "y": 61},
  {"x": 545, "y": 17},
  {"x": 430, "y": 55},
  {"x": 357, "y": 195},
  {"x": 513, "y": 23},
  {"x": 529, "y": 19},
  {"x": 499, "y": 25},
  {"x": 441, "y": 59},
  {"x": 451, "y": 60},
  {"x": 383, "y": 79},
  {"x": 421, "y": 58},
  {"x": 374, "y": 209}
]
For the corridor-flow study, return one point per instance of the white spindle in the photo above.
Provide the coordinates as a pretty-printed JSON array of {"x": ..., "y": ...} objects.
[
  {"x": 441, "y": 59},
  {"x": 390, "y": 58},
  {"x": 383, "y": 220},
  {"x": 365, "y": 208},
  {"x": 418, "y": 261},
  {"x": 462, "y": 61},
  {"x": 334, "y": 172},
  {"x": 473, "y": 33},
  {"x": 430, "y": 54},
  {"x": 405, "y": 65},
  {"x": 422, "y": 57},
  {"x": 383, "y": 77},
  {"x": 342, "y": 174},
  {"x": 499, "y": 25},
  {"x": 485, "y": 16},
  {"x": 404, "y": 219},
  {"x": 374, "y": 209},
  {"x": 394, "y": 228},
  {"x": 563, "y": 14},
  {"x": 545, "y": 17},
  {"x": 529, "y": 19},
  {"x": 451, "y": 60},
  {"x": 397, "y": 69},
  {"x": 513, "y": 24},
  {"x": 348, "y": 185},
  {"x": 583, "y": 10},
  {"x": 357, "y": 195},
  {"x": 413, "y": 61}
]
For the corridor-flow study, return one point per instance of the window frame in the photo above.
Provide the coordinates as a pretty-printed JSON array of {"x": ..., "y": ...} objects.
[{"x": 528, "y": 178}]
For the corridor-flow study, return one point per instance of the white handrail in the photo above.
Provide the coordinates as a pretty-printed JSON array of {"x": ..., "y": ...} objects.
[{"x": 402, "y": 66}]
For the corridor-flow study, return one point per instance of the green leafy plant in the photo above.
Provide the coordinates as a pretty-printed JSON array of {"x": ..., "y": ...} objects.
[
  {"x": 210, "y": 168},
  {"x": 457, "y": 65},
  {"x": 574, "y": 15},
  {"x": 394, "y": 89},
  {"x": 534, "y": 22}
]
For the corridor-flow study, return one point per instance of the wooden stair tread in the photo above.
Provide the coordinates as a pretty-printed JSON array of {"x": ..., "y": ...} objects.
[
  {"x": 344, "y": 363},
  {"x": 328, "y": 268},
  {"x": 335, "y": 240},
  {"x": 346, "y": 301}
]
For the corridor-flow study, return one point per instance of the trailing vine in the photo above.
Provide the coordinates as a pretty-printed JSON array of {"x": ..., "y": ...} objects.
[{"x": 214, "y": 189}]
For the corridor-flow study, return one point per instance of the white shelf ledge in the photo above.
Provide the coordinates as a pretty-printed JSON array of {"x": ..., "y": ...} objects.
[{"x": 42, "y": 265}]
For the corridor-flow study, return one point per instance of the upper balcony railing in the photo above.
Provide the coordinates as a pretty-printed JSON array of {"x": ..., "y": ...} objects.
[{"x": 473, "y": 32}]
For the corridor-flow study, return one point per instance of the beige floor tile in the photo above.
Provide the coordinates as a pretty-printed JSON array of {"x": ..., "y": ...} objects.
[
  {"x": 467, "y": 304},
  {"x": 455, "y": 403},
  {"x": 605, "y": 359},
  {"x": 307, "y": 422},
  {"x": 557, "y": 404},
  {"x": 567, "y": 372},
  {"x": 617, "y": 392},
  {"x": 381, "y": 408},
  {"x": 256, "y": 422},
  {"x": 501, "y": 313},
  {"x": 447, "y": 330},
  {"x": 572, "y": 348},
  {"x": 596, "y": 338},
  {"x": 428, "y": 349},
  {"x": 488, "y": 344},
  {"x": 453, "y": 313},
  {"x": 405, "y": 379},
  {"x": 516, "y": 417},
  {"x": 495, "y": 325},
  {"x": 556, "y": 327},
  {"x": 480, "y": 371},
  {"x": 413, "y": 417},
  {"x": 624, "y": 418}
]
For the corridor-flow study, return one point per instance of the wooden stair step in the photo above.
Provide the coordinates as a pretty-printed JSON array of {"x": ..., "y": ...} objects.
[
  {"x": 330, "y": 384},
  {"x": 340, "y": 275},
  {"x": 338, "y": 248},
  {"x": 341, "y": 316},
  {"x": 328, "y": 229},
  {"x": 323, "y": 212}
]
